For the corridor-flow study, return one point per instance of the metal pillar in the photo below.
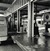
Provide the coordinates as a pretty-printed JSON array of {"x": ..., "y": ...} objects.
[
  {"x": 32, "y": 19},
  {"x": 29, "y": 32},
  {"x": 18, "y": 18}
]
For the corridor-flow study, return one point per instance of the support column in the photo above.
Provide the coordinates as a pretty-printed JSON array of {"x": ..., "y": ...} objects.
[
  {"x": 29, "y": 34},
  {"x": 32, "y": 19},
  {"x": 18, "y": 19},
  {"x": 32, "y": 23}
]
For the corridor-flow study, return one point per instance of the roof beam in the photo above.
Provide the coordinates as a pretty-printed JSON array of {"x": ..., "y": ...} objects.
[
  {"x": 13, "y": 2},
  {"x": 2, "y": 11},
  {"x": 43, "y": 0},
  {"x": 5, "y": 5}
]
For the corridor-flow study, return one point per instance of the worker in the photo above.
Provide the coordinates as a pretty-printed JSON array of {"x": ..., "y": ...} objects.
[{"x": 36, "y": 31}]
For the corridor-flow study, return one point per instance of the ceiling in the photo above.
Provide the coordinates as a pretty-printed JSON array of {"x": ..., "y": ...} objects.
[
  {"x": 4, "y": 5},
  {"x": 42, "y": 5},
  {"x": 6, "y": 1}
]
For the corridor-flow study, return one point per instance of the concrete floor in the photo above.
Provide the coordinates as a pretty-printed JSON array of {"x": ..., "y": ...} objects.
[
  {"x": 12, "y": 47},
  {"x": 41, "y": 43}
]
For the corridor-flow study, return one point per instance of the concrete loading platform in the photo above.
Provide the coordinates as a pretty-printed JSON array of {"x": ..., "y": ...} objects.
[{"x": 25, "y": 25}]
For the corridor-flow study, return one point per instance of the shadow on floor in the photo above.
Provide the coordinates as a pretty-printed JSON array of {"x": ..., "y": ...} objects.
[{"x": 9, "y": 41}]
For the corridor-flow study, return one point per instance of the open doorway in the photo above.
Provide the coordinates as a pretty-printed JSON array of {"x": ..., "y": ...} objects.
[{"x": 23, "y": 19}]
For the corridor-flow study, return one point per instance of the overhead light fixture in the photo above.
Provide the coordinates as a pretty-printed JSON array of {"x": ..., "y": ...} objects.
[{"x": 1, "y": 15}]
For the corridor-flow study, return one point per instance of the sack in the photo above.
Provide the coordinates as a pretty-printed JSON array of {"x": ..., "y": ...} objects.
[{"x": 41, "y": 41}]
